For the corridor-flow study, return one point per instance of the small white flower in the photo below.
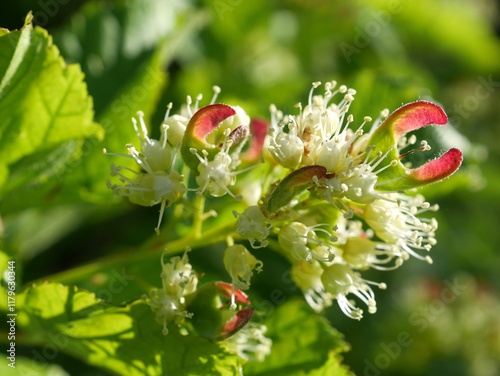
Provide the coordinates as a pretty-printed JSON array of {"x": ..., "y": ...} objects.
[
  {"x": 320, "y": 135},
  {"x": 363, "y": 253},
  {"x": 149, "y": 189},
  {"x": 250, "y": 343},
  {"x": 394, "y": 220},
  {"x": 178, "y": 276},
  {"x": 176, "y": 127},
  {"x": 240, "y": 263},
  {"x": 252, "y": 226},
  {"x": 169, "y": 303},
  {"x": 217, "y": 175},
  {"x": 154, "y": 156},
  {"x": 303, "y": 243},
  {"x": 340, "y": 280},
  {"x": 307, "y": 276},
  {"x": 317, "y": 135},
  {"x": 356, "y": 247},
  {"x": 157, "y": 182},
  {"x": 287, "y": 149},
  {"x": 356, "y": 182}
]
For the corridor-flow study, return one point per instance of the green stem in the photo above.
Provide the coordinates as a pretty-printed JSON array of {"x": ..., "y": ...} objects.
[
  {"x": 150, "y": 251},
  {"x": 199, "y": 205}
]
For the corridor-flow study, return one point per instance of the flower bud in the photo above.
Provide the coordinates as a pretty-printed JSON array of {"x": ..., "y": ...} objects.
[
  {"x": 240, "y": 263},
  {"x": 176, "y": 126},
  {"x": 213, "y": 317},
  {"x": 251, "y": 225}
]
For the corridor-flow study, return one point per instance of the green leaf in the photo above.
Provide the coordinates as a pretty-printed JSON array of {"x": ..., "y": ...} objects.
[
  {"x": 113, "y": 42},
  {"x": 304, "y": 343},
  {"x": 34, "y": 230},
  {"x": 29, "y": 367},
  {"x": 463, "y": 33},
  {"x": 332, "y": 367},
  {"x": 123, "y": 50},
  {"x": 131, "y": 52},
  {"x": 44, "y": 105},
  {"x": 149, "y": 80},
  {"x": 4, "y": 268},
  {"x": 296, "y": 182},
  {"x": 125, "y": 340}
]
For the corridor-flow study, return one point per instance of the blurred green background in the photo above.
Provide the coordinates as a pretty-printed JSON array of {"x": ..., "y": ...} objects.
[{"x": 262, "y": 52}]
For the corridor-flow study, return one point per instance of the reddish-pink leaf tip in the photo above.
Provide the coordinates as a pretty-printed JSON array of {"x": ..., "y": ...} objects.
[
  {"x": 439, "y": 168},
  {"x": 207, "y": 119},
  {"x": 227, "y": 290},
  {"x": 258, "y": 132},
  {"x": 238, "y": 321},
  {"x": 416, "y": 115}
]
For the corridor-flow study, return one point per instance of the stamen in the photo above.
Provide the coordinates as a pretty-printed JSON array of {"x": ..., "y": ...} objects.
[
  {"x": 199, "y": 97},
  {"x": 163, "y": 138},
  {"x": 189, "y": 101},
  {"x": 167, "y": 113},
  {"x": 106, "y": 152},
  {"x": 162, "y": 209},
  {"x": 217, "y": 91},
  {"x": 144, "y": 129},
  {"x": 314, "y": 86}
]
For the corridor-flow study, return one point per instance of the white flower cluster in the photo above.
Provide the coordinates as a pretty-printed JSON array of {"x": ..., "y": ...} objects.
[
  {"x": 250, "y": 343},
  {"x": 329, "y": 251},
  {"x": 169, "y": 302},
  {"x": 159, "y": 180},
  {"x": 336, "y": 197}
]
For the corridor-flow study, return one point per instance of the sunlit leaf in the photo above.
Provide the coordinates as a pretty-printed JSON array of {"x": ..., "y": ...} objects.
[
  {"x": 314, "y": 350},
  {"x": 44, "y": 105},
  {"x": 125, "y": 340}
]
